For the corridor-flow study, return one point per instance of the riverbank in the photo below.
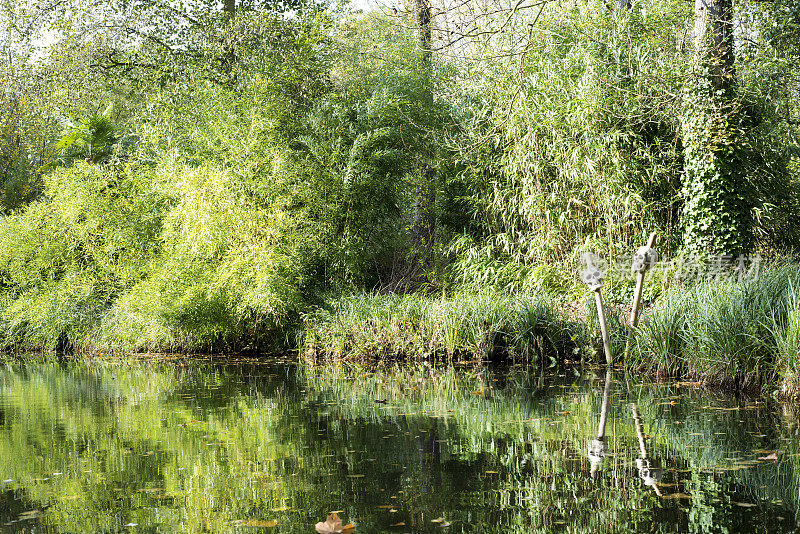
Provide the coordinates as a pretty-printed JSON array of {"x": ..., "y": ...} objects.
[
  {"x": 741, "y": 335},
  {"x": 477, "y": 325},
  {"x": 733, "y": 334}
]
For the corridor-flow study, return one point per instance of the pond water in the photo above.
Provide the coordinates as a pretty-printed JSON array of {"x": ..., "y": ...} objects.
[{"x": 272, "y": 446}]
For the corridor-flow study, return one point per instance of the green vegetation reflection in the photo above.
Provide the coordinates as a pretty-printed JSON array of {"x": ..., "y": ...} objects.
[{"x": 198, "y": 447}]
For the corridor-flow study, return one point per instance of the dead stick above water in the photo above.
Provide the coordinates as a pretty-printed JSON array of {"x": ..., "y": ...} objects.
[
  {"x": 637, "y": 299},
  {"x": 637, "y": 295}
]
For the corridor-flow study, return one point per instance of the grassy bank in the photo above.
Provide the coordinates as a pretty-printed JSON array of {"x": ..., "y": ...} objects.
[
  {"x": 466, "y": 325},
  {"x": 740, "y": 334}
]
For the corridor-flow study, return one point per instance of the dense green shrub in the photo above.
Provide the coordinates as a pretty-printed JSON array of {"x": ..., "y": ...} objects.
[
  {"x": 68, "y": 255},
  {"x": 592, "y": 155},
  {"x": 586, "y": 155},
  {"x": 236, "y": 212}
]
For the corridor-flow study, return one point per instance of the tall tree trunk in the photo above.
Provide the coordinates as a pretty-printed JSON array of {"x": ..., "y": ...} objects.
[
  {"x": 713, "y": 36},
  {"x": 228, "y": 52},
  {"x": 716, "y": 214},
  {"x": 229, "y": 9},
  {"x": 424, "y": 218}
]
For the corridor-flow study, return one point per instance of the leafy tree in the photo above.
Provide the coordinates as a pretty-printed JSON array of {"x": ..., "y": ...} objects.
[{"x": 91, "y": 138}]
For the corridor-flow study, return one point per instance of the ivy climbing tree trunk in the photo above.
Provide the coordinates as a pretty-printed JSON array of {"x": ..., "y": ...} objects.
[
  {"x": 424, "y": 217},
  {"x": 716, "y": 214}
]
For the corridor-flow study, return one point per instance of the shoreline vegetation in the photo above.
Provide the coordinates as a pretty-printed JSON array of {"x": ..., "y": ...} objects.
[
  {"x": 409, "y": 182},
  {"x": 733, "y": 334},
  {"x": 741, "y": 335}
]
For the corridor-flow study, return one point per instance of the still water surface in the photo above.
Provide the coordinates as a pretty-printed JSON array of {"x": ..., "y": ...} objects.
[{"x": 244, "y": 446}]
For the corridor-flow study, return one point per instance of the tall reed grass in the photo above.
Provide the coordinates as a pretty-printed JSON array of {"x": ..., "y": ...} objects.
[
  {"x": 787, "y": 342},
  {"x": 466, "y": 325},
  {"x": 735, "y": 333}
]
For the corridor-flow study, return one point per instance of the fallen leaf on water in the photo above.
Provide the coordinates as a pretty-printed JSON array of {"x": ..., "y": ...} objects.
[
  {"x": 744, "y": 504},
  {"x": 255, "y": 523},
  {"x": 773, "y": 457},
  {"x": 333, "y": 525}
]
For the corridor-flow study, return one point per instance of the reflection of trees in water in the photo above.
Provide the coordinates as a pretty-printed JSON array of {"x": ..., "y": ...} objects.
[{"x": 510, "y": 459}]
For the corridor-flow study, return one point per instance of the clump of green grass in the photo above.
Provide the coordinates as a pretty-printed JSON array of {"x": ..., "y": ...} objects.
[
  {"x": 787, "y": 341},
  {"x": 465, "y": 325},
  {"x": 736, "y": 333}
]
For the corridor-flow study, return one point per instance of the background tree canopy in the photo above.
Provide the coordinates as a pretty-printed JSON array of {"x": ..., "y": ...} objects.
[{"x": 203, "y": 174}]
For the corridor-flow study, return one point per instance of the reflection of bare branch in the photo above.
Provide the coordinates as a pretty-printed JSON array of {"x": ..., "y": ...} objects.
[
  {"x": 598, "y": 449},
  {"x": 639, "y": 431},
  {"x": 650, "y": 475},
  {"x": 601, "y": 428}
]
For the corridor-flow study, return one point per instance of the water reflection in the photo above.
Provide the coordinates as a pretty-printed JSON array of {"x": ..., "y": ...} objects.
[
  {"x": 648, "y": 470},
  {"x": 598, "y": 448},
  {"x": 197, "y": 447}
]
